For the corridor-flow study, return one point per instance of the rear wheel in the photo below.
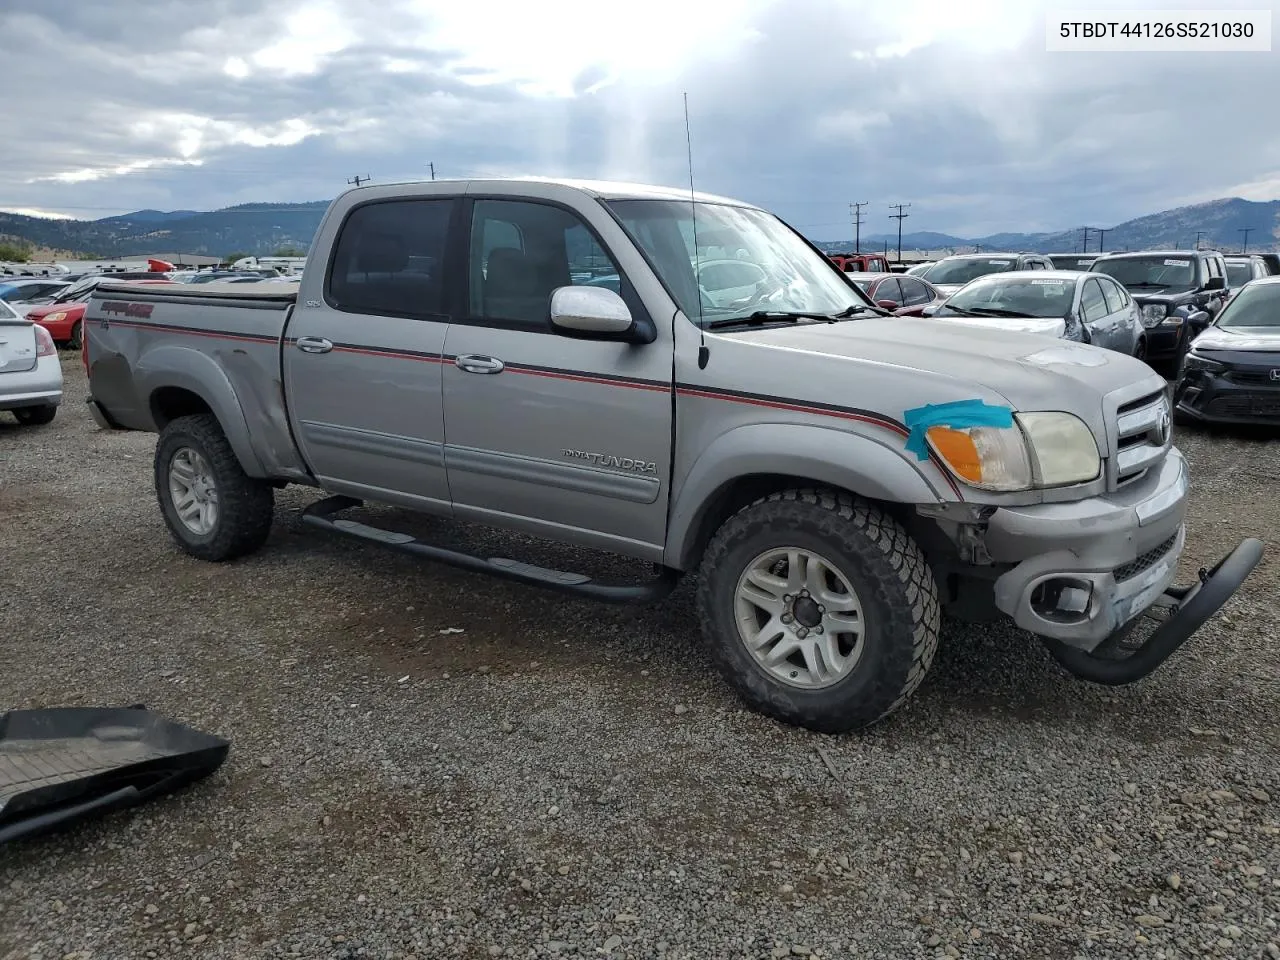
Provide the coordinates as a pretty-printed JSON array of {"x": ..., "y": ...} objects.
[
  {"x": 819, "y": 609},
  {"x": 36, "y": 416},
  {"x": 76, "y": 341},
  {"x": 213, "y": 509}
]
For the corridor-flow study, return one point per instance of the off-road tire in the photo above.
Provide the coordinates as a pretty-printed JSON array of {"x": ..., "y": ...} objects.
[
  {"x": 245, "y": 504},
  {"x": 36, "y": 416},
  {"x": 894, "y": 582}
]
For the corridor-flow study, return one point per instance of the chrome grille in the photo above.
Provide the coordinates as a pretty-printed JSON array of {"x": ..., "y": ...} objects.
[{"x": 1144, "y": 430}]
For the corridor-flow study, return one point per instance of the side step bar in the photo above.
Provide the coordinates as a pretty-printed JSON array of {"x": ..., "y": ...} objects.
[{"x": 321, "y": 514}]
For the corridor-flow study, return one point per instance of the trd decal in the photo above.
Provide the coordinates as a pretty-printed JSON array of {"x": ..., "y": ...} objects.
[{"x": 123, "y": 309}]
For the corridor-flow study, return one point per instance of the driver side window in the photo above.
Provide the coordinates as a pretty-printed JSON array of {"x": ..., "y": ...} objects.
[{"x": 521, "y": 251}]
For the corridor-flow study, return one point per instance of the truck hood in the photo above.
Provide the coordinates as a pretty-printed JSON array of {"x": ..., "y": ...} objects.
[{"x": 1028, "y": 370}]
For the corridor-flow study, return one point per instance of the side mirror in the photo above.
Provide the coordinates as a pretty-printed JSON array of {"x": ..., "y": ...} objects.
[
  {"x": 1216, "y": 283},
  {"x": 594, "y": 313},
  {"x": 888, "y": 304},
  {"x": 930, "y": 310}
]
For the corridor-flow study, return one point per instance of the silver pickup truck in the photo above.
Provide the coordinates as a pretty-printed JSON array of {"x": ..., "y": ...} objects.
[{"x": 685, "y": 380}]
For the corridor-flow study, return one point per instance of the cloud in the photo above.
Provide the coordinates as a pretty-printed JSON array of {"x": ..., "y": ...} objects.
[{"x": 801, "y": 105}]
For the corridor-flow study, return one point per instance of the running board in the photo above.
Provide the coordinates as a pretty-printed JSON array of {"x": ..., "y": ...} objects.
[{"x": 322, "y": 515}]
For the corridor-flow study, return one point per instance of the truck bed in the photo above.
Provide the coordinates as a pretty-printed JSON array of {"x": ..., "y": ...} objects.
[{"x": 148, "y": 348}]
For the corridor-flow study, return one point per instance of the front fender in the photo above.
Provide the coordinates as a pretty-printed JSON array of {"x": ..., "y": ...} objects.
[
  {"x": 173, "y": 365},
  {"x": 824, "y": 455}
]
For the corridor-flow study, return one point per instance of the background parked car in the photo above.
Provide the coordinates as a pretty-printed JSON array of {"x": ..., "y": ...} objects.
[
  {"x": 22, "y": 293},
  {"x": 918, "y": 269},
  {"x": 30, "y": 374},
  {"x": 1242, "y": 269},
  {"x": 1072, "y": 261},
  {"x": 1060, "y": 303},
  {"x": 1231, "y": 373},
  {"x": 1178, "y": 292},
  {"x": 951, "y": 273},
  {"x": 905, "y": 296},
  {"x": 860, "y": 262}
]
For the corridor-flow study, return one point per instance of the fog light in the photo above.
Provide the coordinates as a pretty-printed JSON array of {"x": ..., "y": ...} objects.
[{"x": 1062, "y": 599}]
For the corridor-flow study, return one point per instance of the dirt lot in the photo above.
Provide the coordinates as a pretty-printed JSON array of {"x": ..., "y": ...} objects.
[{"x": 427, "y": 763}]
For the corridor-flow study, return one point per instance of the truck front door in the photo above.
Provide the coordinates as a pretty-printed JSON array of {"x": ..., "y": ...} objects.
[
  {"x": 362, "y": 355},
  {"x": 564, "y": 437}
]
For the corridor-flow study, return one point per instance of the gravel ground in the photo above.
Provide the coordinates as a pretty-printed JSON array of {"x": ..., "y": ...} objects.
[{"x": 427, "y": 764}]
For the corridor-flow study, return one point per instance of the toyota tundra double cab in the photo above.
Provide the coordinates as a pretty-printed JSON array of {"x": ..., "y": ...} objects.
[{"x": 550, "y": 357}]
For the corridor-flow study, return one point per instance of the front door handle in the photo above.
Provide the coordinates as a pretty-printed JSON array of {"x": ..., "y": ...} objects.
[
  {"x": 473, "y": 363},
  {"x": 314, "y": 344}
]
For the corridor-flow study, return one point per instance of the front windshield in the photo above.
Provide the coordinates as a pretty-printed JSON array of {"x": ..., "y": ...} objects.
[
  {"x": 1018, "y": 296},
  {"x": 1257, "y": 305},
  {"x": 1150, "y": 272},
  {"x": 969, "y": 268},
  {"x": 747, "y": 260},
  {"x": 74, "y": 291},
  {"x": 1238, "y": 274}
]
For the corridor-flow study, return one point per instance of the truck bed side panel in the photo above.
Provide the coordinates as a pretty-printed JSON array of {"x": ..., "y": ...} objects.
[{"x": 144, "y": 345}]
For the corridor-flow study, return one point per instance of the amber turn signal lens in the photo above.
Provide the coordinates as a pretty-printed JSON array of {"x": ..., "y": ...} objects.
[{"x": 958, "y": 449}]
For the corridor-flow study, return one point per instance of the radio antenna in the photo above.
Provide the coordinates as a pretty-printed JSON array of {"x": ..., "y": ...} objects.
[{"x": 704, "y": 353}]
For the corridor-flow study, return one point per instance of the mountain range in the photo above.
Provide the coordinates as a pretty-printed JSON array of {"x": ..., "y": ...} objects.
[{"x": 263, "y": 228}]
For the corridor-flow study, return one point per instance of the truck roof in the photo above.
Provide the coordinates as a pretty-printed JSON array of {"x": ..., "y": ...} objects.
[{"x": 600, "y": 189}]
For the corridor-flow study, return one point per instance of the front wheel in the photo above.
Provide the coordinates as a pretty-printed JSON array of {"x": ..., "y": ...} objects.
[
  {"x": 819, "y": 609},
  {"x": 213, "y": 509},
  {"x": 76, "y": 340},
  {"x": 1140, "y": 349}
]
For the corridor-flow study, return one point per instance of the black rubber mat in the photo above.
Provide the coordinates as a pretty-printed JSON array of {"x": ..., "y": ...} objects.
[{"x": 68, "y": 763}]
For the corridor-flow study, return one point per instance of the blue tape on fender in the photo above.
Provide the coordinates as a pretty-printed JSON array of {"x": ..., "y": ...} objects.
[{"x": 957, "y": 414}]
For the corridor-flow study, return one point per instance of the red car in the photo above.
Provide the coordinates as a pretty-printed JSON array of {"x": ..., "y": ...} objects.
[
  {"x": 62, "y": 318},
  {"x": 860, "y": 262},
  {"x": 906, "y": 296}
]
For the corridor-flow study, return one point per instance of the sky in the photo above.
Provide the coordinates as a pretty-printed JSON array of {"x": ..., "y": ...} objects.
[{"x": 802, "y": 106}]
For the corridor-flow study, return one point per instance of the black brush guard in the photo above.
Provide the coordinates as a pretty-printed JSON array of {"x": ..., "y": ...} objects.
[{"x": 1189, "y": 609}]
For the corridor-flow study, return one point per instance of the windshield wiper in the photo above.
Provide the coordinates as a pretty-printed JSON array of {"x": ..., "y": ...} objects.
[
  {"x": 768, "y": 316},
  {"x": 952, "y": 308}
]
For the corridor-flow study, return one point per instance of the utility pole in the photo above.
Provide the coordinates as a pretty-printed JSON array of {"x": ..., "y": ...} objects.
[
  {"x": 857, "y": 225},
  {"x": 1084, "y": 239},
  {"x": 1199, "y": 234},
  {"x": 1102, "y": 235},
  {"x": 357, "y": 179},
  {"x": 432, "y": 165},
  {"x": 1246, "y": 231},
  {"x": 899, "y": 216}
]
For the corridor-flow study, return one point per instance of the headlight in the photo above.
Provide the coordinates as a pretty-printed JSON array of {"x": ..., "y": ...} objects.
[
  {"x": 1194, "y": 362},
  {"x": 54, "y": 317},
  {"x": 1152, "y": 314},
  {"x": 1039, "y": 450}
]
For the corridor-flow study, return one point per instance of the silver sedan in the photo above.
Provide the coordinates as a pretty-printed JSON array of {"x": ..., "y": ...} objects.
[{"x": 30, "y": 374}]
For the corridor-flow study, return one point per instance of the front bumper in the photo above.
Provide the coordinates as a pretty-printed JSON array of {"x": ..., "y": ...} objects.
[
  {"x": 1082, "y": 570},
  {"x": 1165, "y": 340},
  {"x": 1215, "y": 398},
  {"x": 37, "y": 387}
]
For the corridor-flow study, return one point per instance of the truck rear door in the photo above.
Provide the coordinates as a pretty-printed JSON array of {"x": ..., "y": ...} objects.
[{"x": 362, "y": 355}]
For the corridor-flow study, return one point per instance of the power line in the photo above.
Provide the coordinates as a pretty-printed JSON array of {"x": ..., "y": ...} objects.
[
  {"x": 357, "y": 179},
  {"x": 1246, "y": 231},
  {"x": 857, "y": 225},
  {"x": 899, "y": 216}
]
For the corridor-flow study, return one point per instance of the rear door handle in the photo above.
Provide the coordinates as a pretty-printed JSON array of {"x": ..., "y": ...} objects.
[
  {"x": 473, "y": 363},
  {"x": 314, "y": 344}
]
